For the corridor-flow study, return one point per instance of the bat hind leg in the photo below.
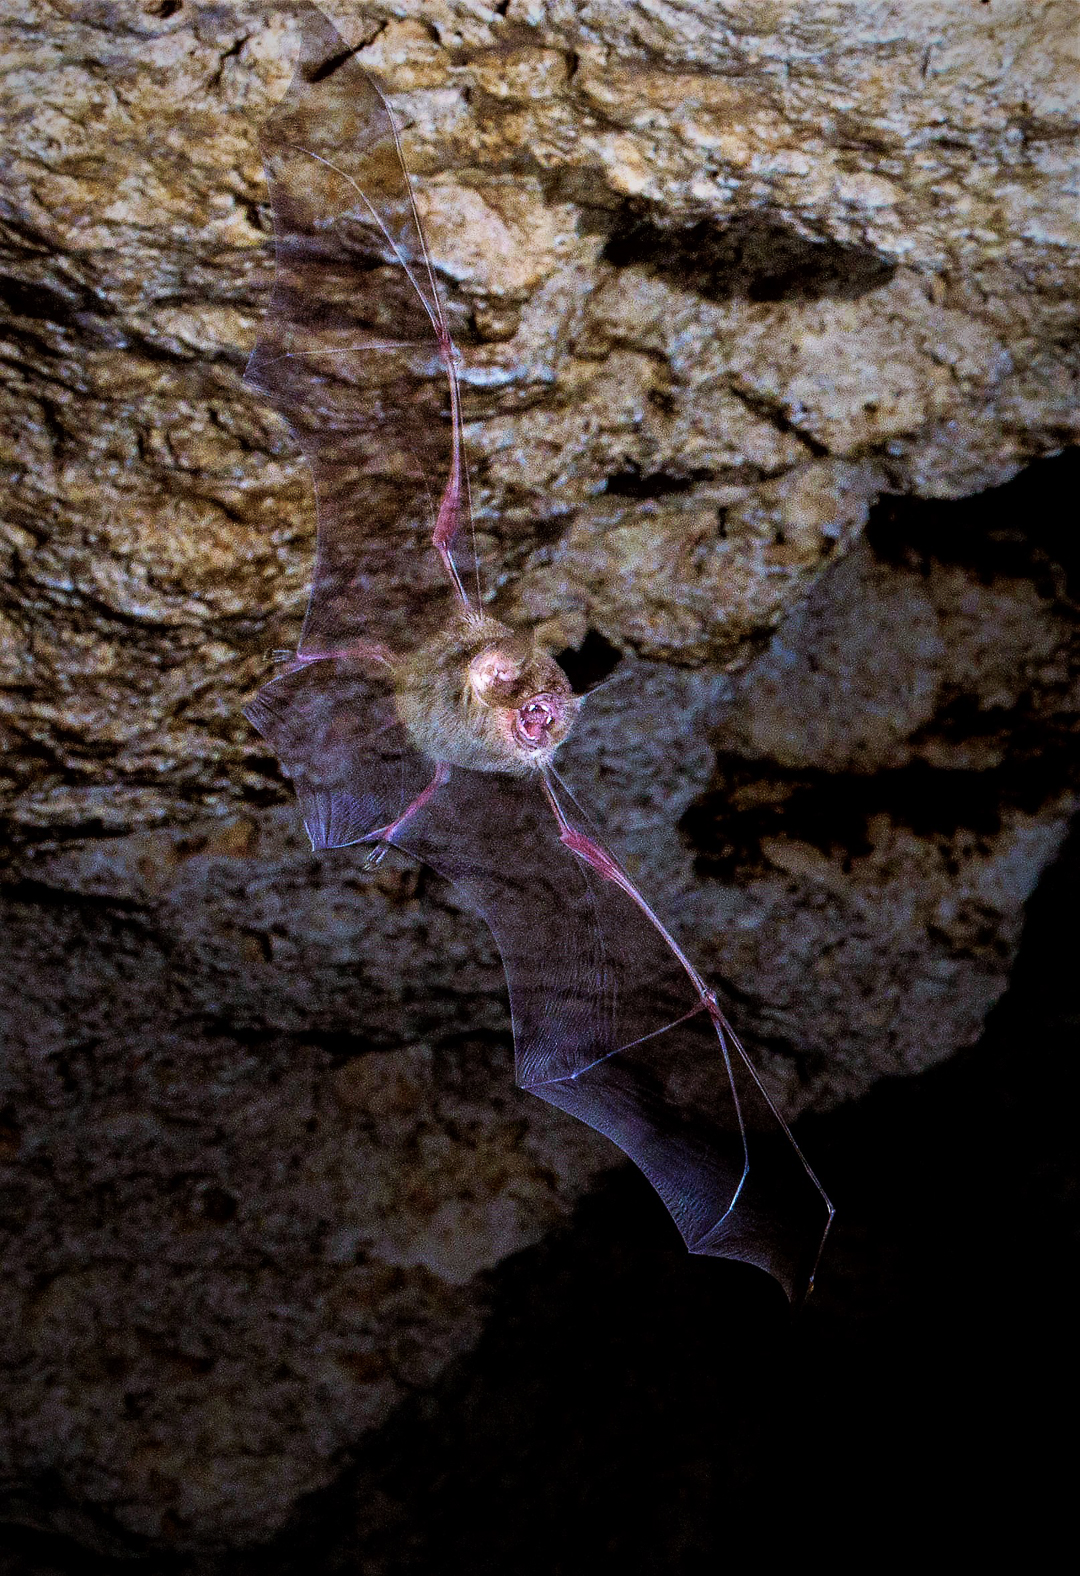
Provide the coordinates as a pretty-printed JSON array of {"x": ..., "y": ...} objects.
[
  {"x": 384, "y": 836},
  {"x": 375, "y": 856}
]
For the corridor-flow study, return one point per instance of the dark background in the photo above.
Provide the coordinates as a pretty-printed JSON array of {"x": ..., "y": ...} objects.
[{"x": 630, "y": 1408}]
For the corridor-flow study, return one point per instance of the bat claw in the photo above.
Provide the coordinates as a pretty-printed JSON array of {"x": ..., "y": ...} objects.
[{"x": 375, "y": 856}]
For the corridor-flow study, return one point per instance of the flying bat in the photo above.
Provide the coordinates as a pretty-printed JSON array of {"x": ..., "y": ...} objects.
[{"x": 409, "y": 717}]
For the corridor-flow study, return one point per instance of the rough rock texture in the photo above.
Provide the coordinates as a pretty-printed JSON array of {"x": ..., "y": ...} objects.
[
  {"x": 890, "y": 777},
  {"x": 723, "y": 272},
  {"x": 241, "y": 1242},
  {"x": 724, "y": 275},
  {"x": 259, "y": 1131}
]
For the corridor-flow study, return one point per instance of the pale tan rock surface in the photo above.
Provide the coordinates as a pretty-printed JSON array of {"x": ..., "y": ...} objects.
[
  {"x": 724, "y": 273},
  {"x": 889, "y": 778},
  {"x": 711, "y": 254}
]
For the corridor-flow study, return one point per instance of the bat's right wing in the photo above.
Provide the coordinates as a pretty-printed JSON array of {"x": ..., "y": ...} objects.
[
  {"x": 354, "y": 351},
  {"x": 334, "y": 727},
  {"x": 612, "y": 1025}
]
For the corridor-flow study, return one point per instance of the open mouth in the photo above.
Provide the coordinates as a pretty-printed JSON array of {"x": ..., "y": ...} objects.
[{"x": 534, "y": 721}]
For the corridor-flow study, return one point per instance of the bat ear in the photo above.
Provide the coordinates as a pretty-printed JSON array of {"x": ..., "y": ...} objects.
[{"x": 498, "y": 667}]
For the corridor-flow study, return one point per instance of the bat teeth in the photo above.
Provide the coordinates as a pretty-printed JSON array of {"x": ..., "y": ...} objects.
[
  {"x": 542, "y": 722},
  {"x": 534, "y": 720}
]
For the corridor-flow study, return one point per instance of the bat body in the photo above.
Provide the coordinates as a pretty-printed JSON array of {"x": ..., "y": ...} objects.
[{"x": 436, "y": 734}]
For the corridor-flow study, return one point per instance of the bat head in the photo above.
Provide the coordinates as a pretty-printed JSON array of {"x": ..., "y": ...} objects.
[
  {"x": 527, "y": 694},
  {"x": 482, "y": 696}
]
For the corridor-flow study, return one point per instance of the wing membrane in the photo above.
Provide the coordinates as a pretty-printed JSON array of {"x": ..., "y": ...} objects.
[
  {"x": 350, "y": 352},
  {"x": 334, "y": 728},
  {"x": 609, "y": 1026}
]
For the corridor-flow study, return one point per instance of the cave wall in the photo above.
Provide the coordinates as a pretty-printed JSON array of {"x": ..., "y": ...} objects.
[
  {"x": 761, "y": 307},
  {"x": 722, "y": 275}
]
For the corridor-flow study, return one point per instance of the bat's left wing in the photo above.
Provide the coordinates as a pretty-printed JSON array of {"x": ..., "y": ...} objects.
[{"x": 613, "y": 1025}]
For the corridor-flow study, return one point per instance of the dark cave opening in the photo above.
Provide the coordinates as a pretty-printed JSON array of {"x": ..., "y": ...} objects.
[
  {"x": 589, "y": 664},
  {"x": 1019, "y": 529},
  {"x": 754, "y": 256},
  {"x": 630, "y": 1408}
]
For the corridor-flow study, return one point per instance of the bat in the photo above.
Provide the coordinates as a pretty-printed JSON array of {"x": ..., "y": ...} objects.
[{"x": 409, "y": 717}]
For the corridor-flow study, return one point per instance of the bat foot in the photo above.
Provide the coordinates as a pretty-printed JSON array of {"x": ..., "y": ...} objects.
[{"x": 375, "y": 856}]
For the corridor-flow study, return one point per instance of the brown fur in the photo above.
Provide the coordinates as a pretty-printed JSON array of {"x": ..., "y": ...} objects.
[{"x": 461, "y": 697}]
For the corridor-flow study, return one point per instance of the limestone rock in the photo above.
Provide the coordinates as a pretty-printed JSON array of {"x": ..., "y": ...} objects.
[
  {"x": 700, "y": 254},
  {"x": 259, "y": 1138},
  {"x": 724, "y": 274},
  {"x": 889, "y": 778}
]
